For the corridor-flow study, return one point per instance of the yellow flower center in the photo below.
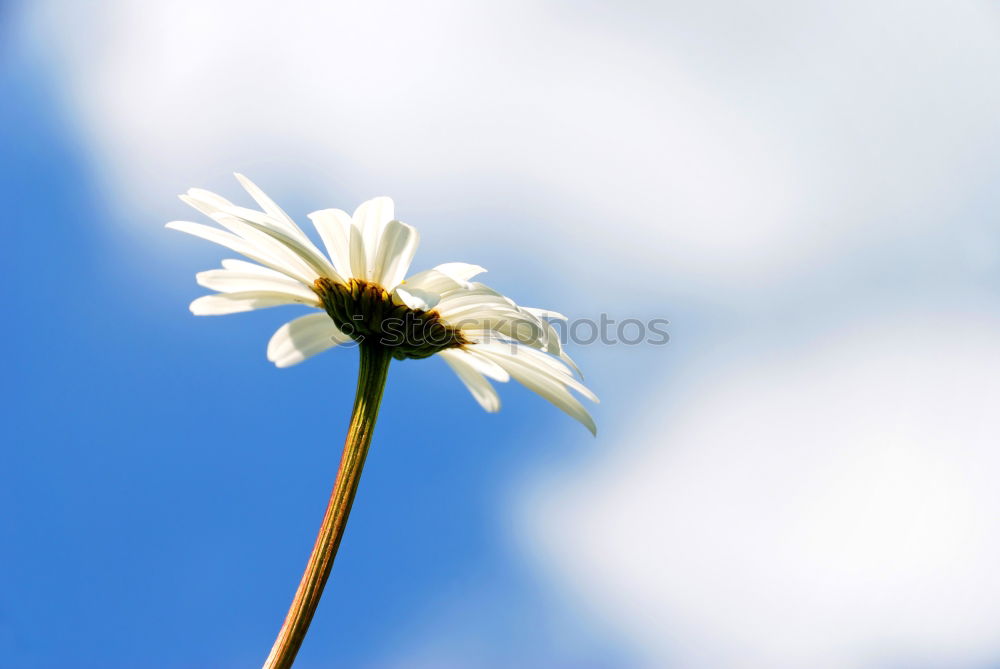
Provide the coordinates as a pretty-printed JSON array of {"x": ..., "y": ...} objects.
[{"x": 365, "y": 312}]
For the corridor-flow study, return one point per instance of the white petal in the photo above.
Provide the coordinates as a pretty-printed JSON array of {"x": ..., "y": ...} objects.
[
  {"x": 211, "y": 200},
  {"x": 306, "y": 251},
  {"x": 292, "y": 248},
  {"x": 231, "y": 303},
  {"x": 551, "y": 342},
  {"x": 271, "y": 208},
  {"x": 395, "y": 253},
  {"x": 243, "y": 247},
  {"x": 531, "y": 331},
  {"x": 302, "y": 338},
  {"x": 466, "y": 299},
  {"x": 493, "y": 316},
  {"x": 371, "y": 218},
  {"x": 545, "y": 313},
  {"x": 483, "y": 364},
  {"x": 273, "y": 219},
  {"x": 432, "y": 281},
  {"x": 481, "y": 336},
  {"x": 290, "y": 261},
  {"x": 217, "y": 208},
  {"x": 460, "y": 271},
  {"x": 479, "y": 290},
  {"x": 478, "y": 299},
  {"x": 415, "y": 299},
  {"x": 483, "y": 307},
  {"x": 232, "y": 281},
  {"x": 477, "y": 384},
  {"x": 359, "y": 254},
  {"x": 542, "y": 362},
  {"x": 564, "y": 356},
  {"x": 249, "y": 267},
  {"x": 548, "y": 387},
  {"x": 334, "y": 228}
]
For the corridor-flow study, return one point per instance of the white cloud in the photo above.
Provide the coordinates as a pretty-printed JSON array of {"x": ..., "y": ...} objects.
[
  {"x": 702, "y": 144},
  {"x": 836, "y": 507}
]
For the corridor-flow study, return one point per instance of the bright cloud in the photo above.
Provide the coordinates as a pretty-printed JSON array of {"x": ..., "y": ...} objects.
[
  {"x": 713, "y": 142},
  {"x": 834, "y": 508}
]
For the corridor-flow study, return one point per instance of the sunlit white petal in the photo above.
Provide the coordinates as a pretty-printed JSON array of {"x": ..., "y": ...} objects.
[
  {"x": 241, "y": 246},
  {"x": 233, "y": 281},
  {"x": 232, "y": 303},
  {"x": 415, "y": 299},
  {"x": 271, "y": 208},
  {"x": 304, "y": 250},
  {"x": 483, "y": 364},
  {"x": 460, "y": 271},
  {"x": 432, "y": 281},
  {"x": 395, "y": 253},
  {"x": 334, "y": 228},
  {"x": 302, "y": 338},
  {"x": 358, "y": 253},
  {"x": 481, "y": 389},
  {"x": 545, "y": 313},
  {"x": 244, "y": 266},
  {"x": 551, "y": 389},
  {"x": 371, "y": 218},
  {"x": 542, "y": 362}
]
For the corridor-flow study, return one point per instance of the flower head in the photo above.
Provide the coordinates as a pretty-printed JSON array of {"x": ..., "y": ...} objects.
[{"x": 359, "y": 288}]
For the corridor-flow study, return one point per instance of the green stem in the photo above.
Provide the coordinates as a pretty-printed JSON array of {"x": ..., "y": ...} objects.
[{"x": 372, "y": 374}]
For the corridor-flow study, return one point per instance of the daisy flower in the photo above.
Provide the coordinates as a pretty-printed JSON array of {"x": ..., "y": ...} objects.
[
  {"x": 360, "y": 294},
  {"x": 359, "y": 289}
]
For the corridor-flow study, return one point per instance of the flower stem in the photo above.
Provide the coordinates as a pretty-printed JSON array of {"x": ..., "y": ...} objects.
[{"x": 372, "y": 373}]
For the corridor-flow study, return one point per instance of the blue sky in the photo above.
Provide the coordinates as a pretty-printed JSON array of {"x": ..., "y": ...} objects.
[
  {"x": 164, "y": 481},
  {"x": 802, "y": 477}
]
